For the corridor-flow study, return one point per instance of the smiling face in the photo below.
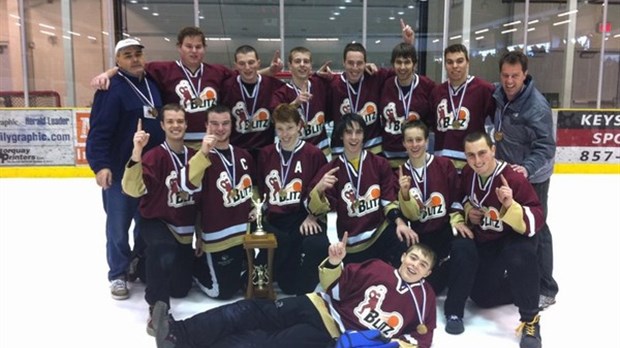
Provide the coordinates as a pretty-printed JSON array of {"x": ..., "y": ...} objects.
[
  {"x": 512, "y": 78},
  {"x": 288, "y": 133},
  {"x": 220, "y": 125},
  {"x": 415, "y": 265},
  {"x": 174, "y": 125},
  {"x": 354, "y": 65},
  {"x": 300, "y": 65},
  {"x": 457, "y": 67},
  {"x": 404, "y": 69},
  {"x": 247, "y": 64},
  {"x": 415, "y": 143},
  {"x": 353, "y": 140},
  {"x": 191, "y": 51},
  {"x": 480, "y": 156}
]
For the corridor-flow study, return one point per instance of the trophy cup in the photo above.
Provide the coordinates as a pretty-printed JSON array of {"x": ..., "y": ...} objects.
[{"x": 260, "y": 276}]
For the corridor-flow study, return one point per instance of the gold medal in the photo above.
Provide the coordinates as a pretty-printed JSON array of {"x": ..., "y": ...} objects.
[
  {"x": 456, "y": 124},
  {"x": 498, "y": 136},
  {"x": 153, "y": 112},
  {"x": 198, "y": 101},
  {"x": 421, "y": 329},
  {"x": 283, "y": 194}
]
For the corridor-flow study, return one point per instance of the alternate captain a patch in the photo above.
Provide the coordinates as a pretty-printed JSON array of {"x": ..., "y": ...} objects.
[{"x": 370, "y": 314}]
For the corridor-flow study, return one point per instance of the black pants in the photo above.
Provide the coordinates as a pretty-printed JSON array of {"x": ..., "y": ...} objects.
[
  {"x": 168, "y": 263},
  {"x": 494, "y": 273},
  {"x": 297, "y": 257},
  {"x": 289, "y": 322},
  {"x": 219, "y": 273},
  {"x": 440, "y": 242},
  {"x": 548, "y": 285}
]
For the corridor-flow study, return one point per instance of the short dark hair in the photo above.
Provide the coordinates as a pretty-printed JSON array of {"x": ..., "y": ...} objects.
[
  {"x": 416, "y": 124},
  {"x": 218, "y": 109},
  {"x": 404, "y": 50},
  {"x": 475, "y": 136},
  {"x": 455, "y": 48},
  {"x": 286, "y": 112},
  {"x": 298, "y": 49},
  {"x": 176, "y": 107},
  {"x": 513, "y": 58},
  {"x": 189, "y": 32},
  {"x": 353, "y": 47},
  {"x": 347, "y": 120},
  {"x": 426, "y": 251},
  {"x": 243, "y": 49}
]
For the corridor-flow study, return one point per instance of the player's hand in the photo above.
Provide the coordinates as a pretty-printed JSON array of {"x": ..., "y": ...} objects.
[
  {"x": 371, "y": 68},
  {"x": 140, "y": 137},
  {"x": 404, "y": 181},
  {"x": 324, "y": 71},
  {"x": 475, "y": 215},
  {"x": 310, "y": 226},
  {"x": 304, "y": 96},
  {"x": 104, "y": 178},
  {"x": 406, "y": 233},
  {"x": 463, "y": 230},
  {"x": 276, "y": 63},
  {"x": 407, "y": 32},
  {"x": 504, "y": 193},
  {"x": 328, "y": 180},
  {"x": 519, "y": 169},
  {"x": 338, "y": 251},
  {"x": 208, "y": 143},
  {"x": 101, "y": 81},
  {"x": 198, "y": 247}
]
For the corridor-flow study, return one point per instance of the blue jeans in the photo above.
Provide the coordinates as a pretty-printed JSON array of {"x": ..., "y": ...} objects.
[{"x": 120, "y": 210}]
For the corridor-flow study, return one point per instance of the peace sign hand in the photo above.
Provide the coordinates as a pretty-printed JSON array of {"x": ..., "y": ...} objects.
[
  {"x": 504, "y": 193},
  {"x": 324, "y": 71}
]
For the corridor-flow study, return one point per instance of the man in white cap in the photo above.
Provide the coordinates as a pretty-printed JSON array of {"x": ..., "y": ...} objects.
[{"x": 113, "y": 121}]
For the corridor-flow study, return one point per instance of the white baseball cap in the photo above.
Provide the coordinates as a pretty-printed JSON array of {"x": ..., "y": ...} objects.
[{"x": 127, "y": 43}]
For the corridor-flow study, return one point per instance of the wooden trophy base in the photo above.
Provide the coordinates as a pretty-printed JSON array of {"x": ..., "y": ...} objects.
[{"x": 262, "y": 241}]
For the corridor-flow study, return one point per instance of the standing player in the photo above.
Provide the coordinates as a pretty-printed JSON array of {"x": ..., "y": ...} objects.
[
  {"x": 361, "y": 188},
  {"x": 168, "y": 205},
  {"x": 404, "y": 100},
  {"x": 461, "y": 105},
  {"x": 226, "y": 197},
  {"x": 498, "y": 254},
  {"x": 113, "y": 119},
  {"x": 248, "y": 96},
  {"x": 285, "y": 170},
  {"x": 308, "y": 93}
]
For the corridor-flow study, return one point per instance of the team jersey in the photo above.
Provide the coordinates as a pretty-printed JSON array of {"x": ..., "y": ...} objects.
[
  {"x": 161, "y": 178},
  {"x": 525, "y": 215},
  {"x": 251, "y": 110},
  {"x": 287, "y": 182},
  {"x": 195, "y": 92},
  {"x": 227, "y": 198},
  {"x": 361, "y": 98},
  {"x": 372, "y": 295},
  {"x": 399, "y": 105},
  {"x": 475, "y": 98},
  {"x": 313, "y": 114},
  {"x": 436, "y": 186},
  {"x": 361, "y": 198}
]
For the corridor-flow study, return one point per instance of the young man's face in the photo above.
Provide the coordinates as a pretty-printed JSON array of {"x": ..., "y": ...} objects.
[
  {"x": 131, "y": 60},
  {"x": 247, "y": 64},
  {"x": 480, "y": 157},
  {"x": 403, "y": 67},
  {"x": 354, "y": 65},
  {"x": 300, "y": 65},
  {"x": 288, "y": 133},
  {"x": 192, "y": 51},
  {"x": 220, "y": 125},
  {"x": 512, "y": 78},
  {"x": 353, "y": 138},
  {"x": 457, "y": 67},
  {"x": 414, "y": 266},
  {"x": 414, "y": 142},
  {"x": 174, "y": 125}
]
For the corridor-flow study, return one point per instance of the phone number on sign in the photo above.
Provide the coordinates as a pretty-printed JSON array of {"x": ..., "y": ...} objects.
[{"x": 587, "y": 154}]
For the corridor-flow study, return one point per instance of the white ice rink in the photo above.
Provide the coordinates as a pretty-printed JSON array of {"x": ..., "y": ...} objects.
[{"x": 54, "y": 291}]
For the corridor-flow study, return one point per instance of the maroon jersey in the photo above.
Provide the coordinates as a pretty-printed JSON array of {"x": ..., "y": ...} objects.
[
  {"x": 372, "y": 295},
  {"x": 195, "y": 92},
  {"x": 313, "y": 114},
  {"x": 361, "y": 98},
  {"x": 360, "y": 196},
  {"x": 400, "y": 105},
  {"x": 481, "y": 194},
  {"x": 251, "y": 110},
  {"x": 227, "y": 198},
  {"x": 287, "y": 182},
  {"x": 475, "y": 98},
  {"x": 437, "y": 186},
  {"x": 169, "y": 195}
]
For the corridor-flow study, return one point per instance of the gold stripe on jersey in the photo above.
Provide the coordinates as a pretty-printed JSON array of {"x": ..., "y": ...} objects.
[{"x": 227, "y": 243}]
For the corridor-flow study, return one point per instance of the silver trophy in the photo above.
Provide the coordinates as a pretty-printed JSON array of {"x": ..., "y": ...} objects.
[{"x": 259, "y": 216}]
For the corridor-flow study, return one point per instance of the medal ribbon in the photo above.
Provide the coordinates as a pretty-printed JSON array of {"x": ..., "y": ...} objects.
[
  {"x": 287, "y": 164},
  {"x": 406, "y": 98},
  {"x": 417, "y": 177},
  {"x": 305, "y": 107},
  {"x": 357, "y": 93},
  {"x": 453, "y": 93},
  {"x": 486, "y": 187},
  {"x": 228, "y": 166},
  {"x": 149, "y": 101},
  {"x": 197, "y": 74},
  {"x": 415, "y": 302},
  {"x": 176, "y": 162},
  {"x": 351, "y": 171},
  {"x": 245, "y": 93}
]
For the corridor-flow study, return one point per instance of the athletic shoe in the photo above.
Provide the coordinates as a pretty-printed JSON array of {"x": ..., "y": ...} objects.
[
  {"x": 161, "y": 324},
  {"x": 132, "y": 270},
  {"x": 454, "y": 325},
  {"x": 545, "y": 302},
  {"x": 150, "y": 330},
  {"x": 530, "y": 333},
  {"x": 119, "y": 290}
]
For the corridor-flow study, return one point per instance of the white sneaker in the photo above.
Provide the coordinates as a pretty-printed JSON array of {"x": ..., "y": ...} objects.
[{"x": 118, "y": 289}]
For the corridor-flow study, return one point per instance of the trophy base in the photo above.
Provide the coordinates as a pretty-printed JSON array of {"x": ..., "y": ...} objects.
[{"x": 267, "y": 241}]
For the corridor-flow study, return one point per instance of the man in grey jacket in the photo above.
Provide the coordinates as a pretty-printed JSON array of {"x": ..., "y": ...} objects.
[{"x": 524, "y": 137}]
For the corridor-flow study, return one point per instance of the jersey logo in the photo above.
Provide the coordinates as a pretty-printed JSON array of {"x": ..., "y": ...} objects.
[
  {"x": 194, "y": 103},
  {"x": 176, "y": 197},
  {"x": 313, "y": 127},
  {"x": 370, "y": 314},
  {"x": 278, "y": 195},
  {"x": 233, "y": 195},
  {"x": 369, "y": 112},
  {"x": 491, "y": 220},
  {"x": 363, "y": 205},
  {"x": 393, "y": 122},
  {"x": 244, "y": 124},
  {"x": 446, "y": 120},
  {"x": 434, "y": 207}
]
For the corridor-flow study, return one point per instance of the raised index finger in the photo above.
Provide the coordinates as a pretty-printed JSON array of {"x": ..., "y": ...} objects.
[
  {"x": 504, "y": 182},
  {"x": 345, "y": 238},
  {"x": 402, "y": 24},
  {"x": 333, "y": 170},
  {"x": 276, "y": 55},
  {"x": 400, "y": 172},
  {"x": 139, "y": 127}
]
